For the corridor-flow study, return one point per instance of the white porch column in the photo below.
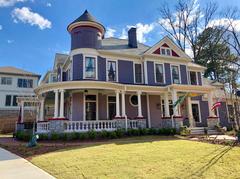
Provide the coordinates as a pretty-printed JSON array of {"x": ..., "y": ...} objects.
[
  {"x": 56, "y": 104},
  {"x": 139, "y": 104},
  {"x": 22, "y": 112},
  {"x": 117, "y": 104},
  {"x": 189, "y": 109},
  {"x": 166, "y": 105},
  {"x": 61, "y": 104},
  {"x": 123, "y": 104},
  {"x": 41, "y": 118},
  {"x": 174, "y": 99},
  {"x": 210, "y": 104}
]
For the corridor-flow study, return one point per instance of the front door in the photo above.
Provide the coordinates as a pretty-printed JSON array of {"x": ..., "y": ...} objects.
[
  {"x": 90, "y": 107},
  {"x": 196, "y": 112}
]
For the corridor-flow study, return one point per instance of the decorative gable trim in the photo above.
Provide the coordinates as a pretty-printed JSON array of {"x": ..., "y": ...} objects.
[{"x": 166, "y": 42}]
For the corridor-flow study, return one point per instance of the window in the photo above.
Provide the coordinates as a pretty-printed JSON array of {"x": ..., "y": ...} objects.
[
  {"x": 230, "y": 113},
  {"x": 14, "y": 100},
  {"x": 90, "y": 107},
  {"x": 134, "y": 100},
  {"x": 25, "y": 83},
  {"x": 175, "y": 75},
  {"x": 159, "y": 73},
  {"x": 6, "y": 80},
  {"x": 165, "y": 51},
  {"x": 111, "y": 71},
  {"x": 111, "y": 107},
  {"x": 8, "y": 100},
  {"x": 138, "y": 72},
  {"x": 170, "y": 108},
  {"x": 193, "y": 77},
  {"x": 90, "y": 67}
]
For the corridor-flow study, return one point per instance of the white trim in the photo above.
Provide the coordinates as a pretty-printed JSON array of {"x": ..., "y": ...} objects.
[
  {"x": 134, "y": 75},
  {"x": 179, "y": 72},
  {"x": 84, "y": 104},
  {"x": 189, "y": 77},
  {"x": 130, "y": 102},
  {"x": 199, "y": 110},
  {"x": 114, "y": 60},
  {"x": 154, "y": 70},
  {"x": 145, "y": 72},
  {"x": 96, "y": 66}
]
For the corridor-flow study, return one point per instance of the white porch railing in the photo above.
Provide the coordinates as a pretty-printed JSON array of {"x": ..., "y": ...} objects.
[
  {"x": 83, "y": 126},
  {"x": 43, "y": 127}
]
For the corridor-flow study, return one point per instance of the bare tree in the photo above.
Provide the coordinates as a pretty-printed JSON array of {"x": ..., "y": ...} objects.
[{"x": 186, "y": 21}]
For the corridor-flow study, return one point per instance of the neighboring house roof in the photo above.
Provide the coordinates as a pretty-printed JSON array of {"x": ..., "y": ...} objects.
[
  {"x": 194, "y": 65},
  {"x": 116, "y": 45},
  {"x": 16, "y": 71},
  {"x": 60, "y": 59},
  {"x": 207, "y": 81}
]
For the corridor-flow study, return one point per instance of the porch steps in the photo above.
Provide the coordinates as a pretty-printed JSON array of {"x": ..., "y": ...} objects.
[{"x": 200, "y": 131}]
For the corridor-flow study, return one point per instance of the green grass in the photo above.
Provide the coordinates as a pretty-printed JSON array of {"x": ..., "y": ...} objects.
[{"x": 143, "y": 157}]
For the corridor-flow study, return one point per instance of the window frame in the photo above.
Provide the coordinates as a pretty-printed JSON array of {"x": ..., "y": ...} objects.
[
  {"x": 134, "y": 70},
  {"x": 130, "y": 101},
  {"x": 23, "y": 81},
  {"x": 84, "y": 105},
  {"x": 165, "y": 49},
  {"x": 107, "y": 96},
  {"x": 6, "y": 78},
  {"x": 84, "y": 67},
  {"x": 179, "y": 72},
  {"x": 116, "y": 61},
  {"x": 155, "y": 74},
  {"x": 10, "y": 104},
  {"x": 189, "y": 77}
]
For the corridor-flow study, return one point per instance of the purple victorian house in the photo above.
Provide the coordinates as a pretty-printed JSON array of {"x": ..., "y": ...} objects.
[{"x": 111, "y": 83}]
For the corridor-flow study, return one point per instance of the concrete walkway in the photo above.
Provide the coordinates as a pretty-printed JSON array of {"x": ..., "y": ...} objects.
[{"x": 13, "y": 166}]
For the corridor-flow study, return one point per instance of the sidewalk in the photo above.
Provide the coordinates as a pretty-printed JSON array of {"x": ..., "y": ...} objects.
[{"x": 13, "y": 166}]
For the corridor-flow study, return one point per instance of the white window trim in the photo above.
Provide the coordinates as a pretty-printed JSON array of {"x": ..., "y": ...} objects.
[
  {"x": 189, "y": 77},
  {"x": 6, "y": 81},
  {"x": 84, "y": 105},
  {"x": 96, "y": 67},
  {"x": 134, "y": 72},
  {"x": 199, "y": 109},
  {"x": 145, "y": 72},
  {"x": 165, "y": 48},
  {"x": 108, "y": 104},
  {"x": 130, "y": 102},
  {"x": 116, "y": 69},
  {"x": 180, "y": 79},
  {"x": 155, "y": 79}
]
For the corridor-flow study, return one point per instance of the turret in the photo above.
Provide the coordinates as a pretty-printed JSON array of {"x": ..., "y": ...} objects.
[{"x": 86, "y": 32}]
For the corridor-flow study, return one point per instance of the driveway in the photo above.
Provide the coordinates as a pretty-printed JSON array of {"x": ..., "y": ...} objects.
[{"x": 13, "y": 166}]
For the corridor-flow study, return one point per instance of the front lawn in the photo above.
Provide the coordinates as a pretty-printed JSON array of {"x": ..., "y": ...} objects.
[{"x": 143, "y": 157}]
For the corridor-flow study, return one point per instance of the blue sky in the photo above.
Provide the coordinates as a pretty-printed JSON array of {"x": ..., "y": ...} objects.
[{"x": 32, "y": 31}]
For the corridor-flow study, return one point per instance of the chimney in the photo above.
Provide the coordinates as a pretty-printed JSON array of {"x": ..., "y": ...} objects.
[{"x": 132, "y": 37}]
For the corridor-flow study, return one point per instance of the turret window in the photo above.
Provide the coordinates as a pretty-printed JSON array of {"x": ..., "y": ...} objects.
[{"x": 90, "y": 68}]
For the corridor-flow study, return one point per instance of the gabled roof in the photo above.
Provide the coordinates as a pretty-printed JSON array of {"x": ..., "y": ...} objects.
[
  {"x": 171, "y": 44},
  {"x": 16, "y": 71},
  {"x": 60, "y": 59}
]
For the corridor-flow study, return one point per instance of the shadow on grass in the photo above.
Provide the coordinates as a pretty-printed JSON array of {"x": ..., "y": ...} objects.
[
  {"x": 45, "y": 147},
  {"x": 198, "y": 172}
]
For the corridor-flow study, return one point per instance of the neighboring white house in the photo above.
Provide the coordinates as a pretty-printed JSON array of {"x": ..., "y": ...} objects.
[{"x": 14, "y": 82}]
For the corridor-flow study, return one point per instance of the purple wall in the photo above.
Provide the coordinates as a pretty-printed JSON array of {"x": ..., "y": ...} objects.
[
  {"x": 155, "y": 110},
  {"x": 78, "y": 67},
  {"x": 132, "y": 111},
  {"x": 199, "y": 78},
  {"x": 64, "y": 76},
  {"x": 77, "y": 106},
  {"x": 125, "y": 72},
  {"x": 167, "y": 74},
  {"x": 101, "y": 69},
  {"x": 85, "y": 37},
  {"x": 183, "y": 73}
]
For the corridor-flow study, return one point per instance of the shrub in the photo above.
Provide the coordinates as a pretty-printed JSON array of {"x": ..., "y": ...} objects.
[
  {"x": 184, "y": 131},
  {"x": 83, "y": 136},
  {"x": 143, "y": 131},
  {"x": 120, "y": 133},
  {"x": 103, "y": 134},
  {"x": 92, "y": 134},
  {"x": 55, "y": 136},
  {"x": 113, "y": 135},
  {"x": 43, "y": 136},
  {"x": 152, "y": 131},
  {"x": 24, "y": 135}
]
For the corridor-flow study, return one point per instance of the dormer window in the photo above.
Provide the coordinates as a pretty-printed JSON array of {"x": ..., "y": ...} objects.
[
  {"x": 90, "y": 71},
  {"x": 166, "y": 51}
]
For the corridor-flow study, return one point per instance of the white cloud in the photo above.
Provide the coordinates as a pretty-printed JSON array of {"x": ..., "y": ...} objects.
[
  {"x": 1, "y": 27},
  {"x": 225, "y": 23},
  {"x": 110, "y": 32},
  {"x": 10, "y": 41},
  {"x": 49, "y": 4},
  {"x": 25, "y": 15},
  {"x": 6, "y": 3},
  {"x": 142, "y": 31}
]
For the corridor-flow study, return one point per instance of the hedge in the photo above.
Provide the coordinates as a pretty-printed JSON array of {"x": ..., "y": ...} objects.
[{"x": 91, "y": 135}]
